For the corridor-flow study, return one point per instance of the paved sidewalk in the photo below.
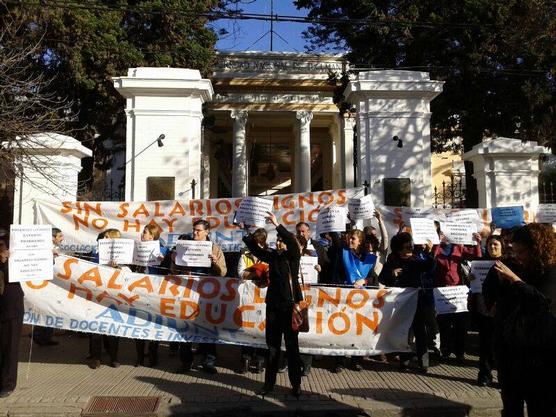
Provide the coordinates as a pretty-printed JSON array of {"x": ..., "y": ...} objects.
[{"x": 57, "y": 382}]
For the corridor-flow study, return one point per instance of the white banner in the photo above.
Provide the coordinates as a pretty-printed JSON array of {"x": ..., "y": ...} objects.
[
  {"x": 81, "y": 221},
  {"x": 92, "y": 298}
]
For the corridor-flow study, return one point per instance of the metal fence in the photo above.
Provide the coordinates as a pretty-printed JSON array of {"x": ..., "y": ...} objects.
[
  {"x": 547, "y": 191},
  {"x": 451, "y": 194}
]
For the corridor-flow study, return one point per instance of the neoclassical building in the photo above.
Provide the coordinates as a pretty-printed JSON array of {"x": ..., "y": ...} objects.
[{"x": 266, "y": 123}]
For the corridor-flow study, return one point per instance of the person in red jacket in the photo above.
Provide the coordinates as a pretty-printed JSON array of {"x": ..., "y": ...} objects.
[{"x": 453, "y": 326}]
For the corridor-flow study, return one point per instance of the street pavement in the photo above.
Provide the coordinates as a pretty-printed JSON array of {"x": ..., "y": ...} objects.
[{"x": 56, "y": 381}]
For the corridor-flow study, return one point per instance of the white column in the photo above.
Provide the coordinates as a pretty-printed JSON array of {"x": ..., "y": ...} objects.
[
  {"x": 507, "y": 172},
  {"x": 239, "y": 154},
  {"x": 303, "y": 157},
  {"x": 346, "y": 150},
  {"x": 163, "y": 101},
  {"x": 46, "y": 167}
]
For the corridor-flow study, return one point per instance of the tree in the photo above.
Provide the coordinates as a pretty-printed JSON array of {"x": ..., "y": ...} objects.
[
  {"x": 81, "y": 45},
  {"x": 497, "y": 58}
]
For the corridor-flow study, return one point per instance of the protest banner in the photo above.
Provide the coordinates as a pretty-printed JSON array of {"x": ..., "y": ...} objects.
[
  {"x": 253, "y": 211},
  {"x": 465, "y": 216},
  {"x": 31, "y": 254},
  {"x": 117, "y": 250},
  {"x": 82, "y": 221},
  {"x": 507, "y": 217},
  {"x": 361, "y": 208},
  {"x": 193, "y": 253},
  {"x": 451, "y": 299},
  {"x": 479, "y": 269},
  {"x": 307, "y": 268},
  {"x": 331, "y": 219},
  {"x": 546, "y": 213},
  {"x": 423, "y": 230},
  {"x": 459, "y": 233},
  {"x": 147, "y": 253},
  {"x": 92, "y": 298}
]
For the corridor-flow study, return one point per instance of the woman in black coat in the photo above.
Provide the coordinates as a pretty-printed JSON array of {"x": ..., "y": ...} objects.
[
  {"x": 524, "y": 295},
  {"x": 282, "y": 292},
  {"x": 11, "y": 322}
]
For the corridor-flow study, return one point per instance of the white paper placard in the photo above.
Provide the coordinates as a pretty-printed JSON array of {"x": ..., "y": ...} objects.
[
  {"x": 418, "y": 212},
  {"x": 331, "y": 219},
  {"x": 147, "y": 253},
  {"x": 30, "y": 237},
  {"x": 459, "y": 233},
  {"x": 546, "y": 213},
  {"x": 422, "y": 230},
  {"x": 451, "y": 299},
  {"x": 31, "y": 265},
  {"x": 361, "y": 208},
  {"x": 253, "y": 211},
  {"x": 307, "y": 268},
  {"x": 117, "y": 250},
  {"x": 479, "y": 269},
  {"x": 193, "y": 253},
  {"x": 466, "y": 216}
]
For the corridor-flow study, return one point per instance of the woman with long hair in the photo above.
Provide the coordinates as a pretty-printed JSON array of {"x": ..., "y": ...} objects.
[
  {"x": 282, "y": 293},
  {"x": 524, "y": 294}
]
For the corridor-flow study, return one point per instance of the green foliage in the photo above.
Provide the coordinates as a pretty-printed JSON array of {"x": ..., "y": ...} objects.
[
  {"x": 83, "y": 44},
  {"x": 497, "y": 58}
]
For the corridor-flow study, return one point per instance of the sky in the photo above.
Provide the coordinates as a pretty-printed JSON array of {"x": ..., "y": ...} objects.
[{"x": 249, "y": 35}]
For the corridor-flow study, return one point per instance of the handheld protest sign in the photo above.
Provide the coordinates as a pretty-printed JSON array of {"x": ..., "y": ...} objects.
[
  {"x": 459, "y": 233},
  {"x": 507, "y": 217},
  {"x": 479, "y": 269},
  {"x": 117, "y": 250},
  {"x": 423, "y": 230},
  {"x": 147, "y": 253},
  {"x": 31, "y": 256},
  {"x": 361, "y": 208},
  {"x": 253, "y": 211},
  {"x": 193, "y": 253},
  {"x": 331, "y": 219},
  {"x": 307, "y": 266},
  {"x": 451, "y": 299}
]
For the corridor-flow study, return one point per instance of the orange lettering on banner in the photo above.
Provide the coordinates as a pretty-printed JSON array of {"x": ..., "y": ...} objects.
[
  {"x": 112, "y": 284},
  {"x": 99, "y": 223},
  {"x": 231, "y": 287},
  {"x": 361, "y": 320},
  {"x": 287, "y": 202},
  {"x": 123, "y": 210},
  {"x": 223, "y": 207},
  {"x": 214, "y": 287},
  {"x": 67, "y": 207},
  {"x": 238, "y": 317},
  {"x": 141, "y": 210},
  {"x": 262, "y": 326},
  {"x": 177, "y": 209},
  {"x": 74, "y": 289},
  {"x": 342, "y": 195},
  {"x": 276, "y": 203},
  {"x": 92, "y": 274},
  {"x": 167, "y": 307},
  {"x": 286, "y": 218},
  {"x": 37, "y": 286},
  {"x": 379, "y": 302},
  {"x": 187, "y": 289},
  {"x": 144, "y": 282},
  {"x": 176, "y": 282},
  {"x": 183, "y": 310},
  {"x": 155, "y": 224},
  {"x": 361, "y": 303},
  {"x": 214, "y": 222},
  {"x": 210, "y": 318},
  {"x": 67, "y": 268},
  {"x": 237, "y": 202},
  {"x": 332, "y": 323},
  {"x": 84, "y": 221},
  {"x": 157, "y": 212},
  {"x": 312, "y": 216},
  {"x": 170, "y": 224},
  {"x": 128, "y": 300},
  {"x": 135, "y": 225},
  {"x": 323, "y": 296},
  {"x": 105, "y": 295},
  {"x": 308, "y": 198},
  {"x": 322, "y": 200},
  {"x": 319, "y": 322},
  {"x": 96, "y": 209},
  {"x": 195, "y": 208},
  {"x": 257, "y": 299}
]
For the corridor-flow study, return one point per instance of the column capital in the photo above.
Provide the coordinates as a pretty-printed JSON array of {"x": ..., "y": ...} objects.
[
  {"x": 348, "y": 121},
  {"x": 240, "y": 116},
  {"x": 304, "y": 117}
]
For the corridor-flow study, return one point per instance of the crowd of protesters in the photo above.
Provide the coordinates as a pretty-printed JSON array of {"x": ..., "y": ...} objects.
[{"x": 515, "y": 315}]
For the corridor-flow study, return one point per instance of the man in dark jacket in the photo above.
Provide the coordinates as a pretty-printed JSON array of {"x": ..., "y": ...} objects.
[{"x": 11, "y": 319}]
